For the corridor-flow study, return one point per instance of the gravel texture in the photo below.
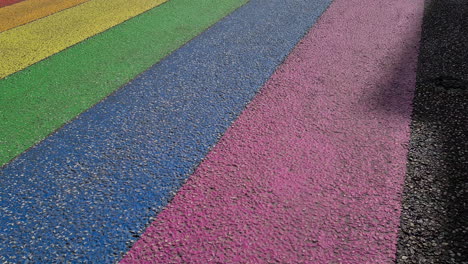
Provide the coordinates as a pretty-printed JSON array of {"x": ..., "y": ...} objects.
[
  {"x": 28, "y": 11},
  {"x": 33, "y": 42},
  {"x": 48, "y": 94},
  {"x": 88, "y": 191},
  {"x": 313, "y": 169},
  {"x": 434, "y": 221},
  {"x": 9, "y": 2}
]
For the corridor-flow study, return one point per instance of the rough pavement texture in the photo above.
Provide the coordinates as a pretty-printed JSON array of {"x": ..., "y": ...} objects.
[
  {"x": 88, "y": 191},
  {"x": 313, "y": 169},
  {"x": 8, "y": 2},
  {"x": 48, "y": 94},
  {"x": 22, "y": 13},
  {"x": 434, "y": 222},
  {"x": 23, "y": 46}
]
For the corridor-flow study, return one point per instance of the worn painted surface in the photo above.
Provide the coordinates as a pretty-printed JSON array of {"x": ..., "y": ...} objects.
[
  {"x": 26, "y": 45},
  {"x": 9, "y": 2},
  {"x": 312, "y": 170},
  {"x": 28, "y": 11},
  {"x": 43, "y": 97},
  {"x": 89, "y": 190}
]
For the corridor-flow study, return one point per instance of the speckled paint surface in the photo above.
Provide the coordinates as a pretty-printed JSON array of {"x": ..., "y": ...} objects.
[
  {"x": 43, "y": 97},
  {"x": 28, "y": 11},
  {"x": 23, "y": 46},
  {"x": 312, "y": 171},
  {"x": 9, "y": 2},
  {"x": 88, "y": 191}
]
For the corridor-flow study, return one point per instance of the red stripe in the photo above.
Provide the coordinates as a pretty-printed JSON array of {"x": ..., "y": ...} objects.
[{"x": 9, "y": 2}]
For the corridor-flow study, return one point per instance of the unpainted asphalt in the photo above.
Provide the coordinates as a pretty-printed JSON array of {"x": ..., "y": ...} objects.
[{"x": 434, "y": 221}]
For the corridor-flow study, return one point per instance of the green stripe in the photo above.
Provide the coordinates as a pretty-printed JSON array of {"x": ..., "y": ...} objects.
[{"x": 46, "y": 95}]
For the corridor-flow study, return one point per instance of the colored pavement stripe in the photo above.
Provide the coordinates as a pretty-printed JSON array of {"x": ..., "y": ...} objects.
[
  {"x": 312, "y": 170},
  {"x": 87, "y": 191},
  {"x": 46, "y": 95},
  {"x": 22, "y": 46},
  {"x": 31, "y": 10},
  {"x": 9, "y": 2}
]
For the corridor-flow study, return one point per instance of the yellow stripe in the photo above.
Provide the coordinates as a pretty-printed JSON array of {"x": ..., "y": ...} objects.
[
  {"x": 30, "y": 10},
  {"x": 25, "y": 45}
]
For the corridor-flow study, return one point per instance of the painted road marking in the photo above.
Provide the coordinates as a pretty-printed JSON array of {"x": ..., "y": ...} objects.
[
  {"x": 9, "y": 2},
  {"x": 313, "y": 169},
  {"x": 46, "y": 95},
  {"x": 89, "y": 190},
  {"x": 22, "y": 46},
  {"x": 27, "y": 11}
]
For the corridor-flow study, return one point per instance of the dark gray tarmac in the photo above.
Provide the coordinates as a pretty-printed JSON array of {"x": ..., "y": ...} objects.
[{"x": 434, "y": 221}]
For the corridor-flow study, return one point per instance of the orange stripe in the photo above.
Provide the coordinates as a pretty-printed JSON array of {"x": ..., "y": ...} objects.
[
  {"x": 30, "y": 10},
  {"x": 23, "y": 46}
]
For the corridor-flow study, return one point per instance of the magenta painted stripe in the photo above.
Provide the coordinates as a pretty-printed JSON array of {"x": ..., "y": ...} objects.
[{"x": 312, "y": 171}]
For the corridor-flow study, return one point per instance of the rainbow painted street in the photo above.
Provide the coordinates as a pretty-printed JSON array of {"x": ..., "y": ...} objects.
[{"x": 233, "y": 131}]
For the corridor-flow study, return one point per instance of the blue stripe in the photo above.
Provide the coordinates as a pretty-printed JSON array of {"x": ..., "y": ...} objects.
[{"x": 87, "y": 192}]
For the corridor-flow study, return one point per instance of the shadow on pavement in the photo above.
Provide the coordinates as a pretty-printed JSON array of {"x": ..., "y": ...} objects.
[{"x": 434, "y": 219}]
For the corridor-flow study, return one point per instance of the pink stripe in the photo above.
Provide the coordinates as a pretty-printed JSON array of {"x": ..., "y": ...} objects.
[{"x": 313, "y": 169}]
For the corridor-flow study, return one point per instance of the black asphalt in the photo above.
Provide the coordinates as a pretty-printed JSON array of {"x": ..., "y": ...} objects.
[{"x": 434, "y": 221}]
